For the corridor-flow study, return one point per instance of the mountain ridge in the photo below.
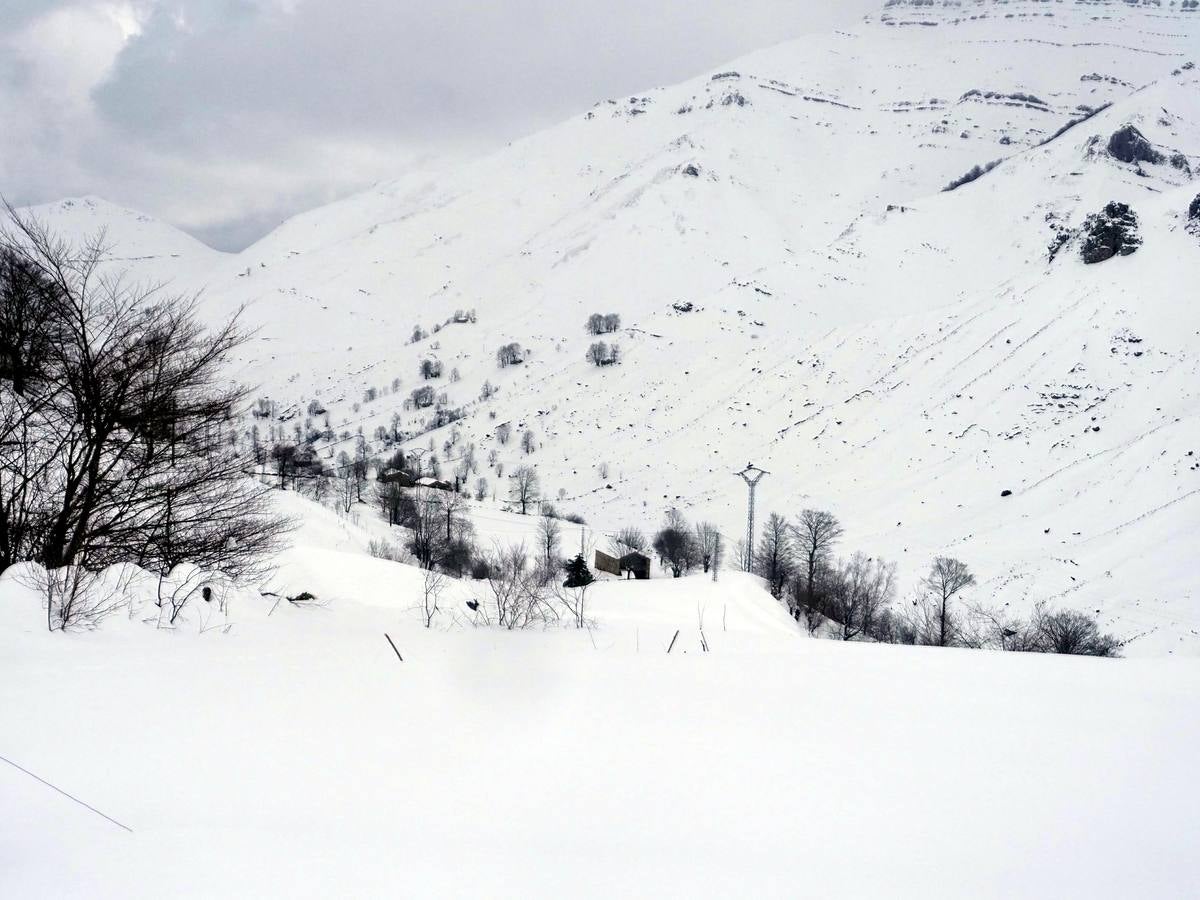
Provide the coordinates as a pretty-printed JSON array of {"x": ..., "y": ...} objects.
[{"x": 797, "y": 289}]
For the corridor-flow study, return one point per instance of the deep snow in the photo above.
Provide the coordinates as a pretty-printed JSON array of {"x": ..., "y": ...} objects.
[{"x": 294, "y": 755}]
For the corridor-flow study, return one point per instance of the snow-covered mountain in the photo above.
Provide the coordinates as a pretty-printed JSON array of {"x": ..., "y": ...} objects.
[{"x": 796, "y": 289}]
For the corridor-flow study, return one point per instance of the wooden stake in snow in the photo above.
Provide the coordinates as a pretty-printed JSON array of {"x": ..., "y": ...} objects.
[
  {"x": 393, "y": 643},
  {"x": 673, "y": 640}
]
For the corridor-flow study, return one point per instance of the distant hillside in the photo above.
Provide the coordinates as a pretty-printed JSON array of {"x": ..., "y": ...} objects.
[{"x": 796, "y": 288}]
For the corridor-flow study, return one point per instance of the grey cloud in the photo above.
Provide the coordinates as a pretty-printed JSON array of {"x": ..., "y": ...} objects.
[{"x": 212, "y": 87}]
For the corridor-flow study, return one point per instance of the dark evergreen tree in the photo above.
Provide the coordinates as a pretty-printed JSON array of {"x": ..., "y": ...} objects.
[{"x": 578, "y": 573}]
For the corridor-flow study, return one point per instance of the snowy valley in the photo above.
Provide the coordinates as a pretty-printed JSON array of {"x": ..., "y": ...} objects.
[{"x": 936, "y": 274}]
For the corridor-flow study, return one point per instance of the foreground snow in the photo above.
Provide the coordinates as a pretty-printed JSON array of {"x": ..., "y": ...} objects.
[{"x": 294, "y": 755}]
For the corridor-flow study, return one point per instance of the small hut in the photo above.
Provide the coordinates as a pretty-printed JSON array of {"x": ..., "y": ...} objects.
[
  {"x": 397, "y": 476},
  {"x": 609, "y": 564},
  {"x": 636, "y": 564}
]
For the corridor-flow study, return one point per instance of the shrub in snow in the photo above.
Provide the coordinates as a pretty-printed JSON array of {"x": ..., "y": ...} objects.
[
  {"x": 1112, "y": 231},
  {"x": 974, "y": 173},
  {"x": 1047, "y": 630},
  {"x": 1087, "y": 114}
]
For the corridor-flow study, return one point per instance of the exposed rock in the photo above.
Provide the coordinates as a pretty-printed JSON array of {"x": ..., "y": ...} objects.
[
  {"x": 1130, "y": 146},
  {"x": 1110, "y": 232},
  {"x": 690, "y": 169}
]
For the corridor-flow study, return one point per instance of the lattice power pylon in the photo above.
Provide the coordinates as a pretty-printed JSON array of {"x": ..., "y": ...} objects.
[{"x": 751, "y": 475}]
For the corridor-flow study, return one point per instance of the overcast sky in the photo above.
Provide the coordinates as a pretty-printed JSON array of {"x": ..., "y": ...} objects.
[{"x": 226, "y": 116}]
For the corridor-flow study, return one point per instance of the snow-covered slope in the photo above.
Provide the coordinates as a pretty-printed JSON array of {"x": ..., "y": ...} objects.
[
  {"x": 885, "y": 350},
  {"x": 258, "y": 749},
  {"x": 154, "y": 250}
]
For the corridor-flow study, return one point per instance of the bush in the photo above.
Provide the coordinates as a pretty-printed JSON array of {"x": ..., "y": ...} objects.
[
  {"x": 1071, "y": 632},
  {"x": 974, "y": 173},
  {"x": 382, "y": 549},
  {"x": 1088, "y": 113}
]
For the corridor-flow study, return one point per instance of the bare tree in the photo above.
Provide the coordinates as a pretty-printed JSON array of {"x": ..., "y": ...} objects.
[
  {"x": 76, "y": 598},
  {"x": 995, "y": 628},
  {"x": 524, "y": 487},
  {"x": 707, "y": 540},
  {"x": 572, "y": 592},
  {"x": 628, "y": 540},
  {"x": 597, "y": 353},
  {"x": 598, "y": 323},
  {"x": 360, "y": 466},
  {"x": 932, "y": 614},
  {"x": 347, "y": 488},
  {"x": 428, "y": 529},
  {"x": 433, "y": 584},
  {"x": 1070, "y": 631},
  {"x": 503, "y": 433},
  {"x": 674, "y": 544},
  {"x": 518, "y": 593},
  {"x": 817, "y": 533},
  {"x": 775, "y": 555},
  {"x": 528, "y": 442},
  {"x": 549, "y": 534},
  {"x": 116, "y": 448},
  {"x": 861, "y": 589},
  {"x": 510, "y": 354},
  {"x": 422, "y": 397}
]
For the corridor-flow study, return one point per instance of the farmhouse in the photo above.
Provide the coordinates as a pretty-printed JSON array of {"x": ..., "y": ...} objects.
[{"x": 631, "y": 565}]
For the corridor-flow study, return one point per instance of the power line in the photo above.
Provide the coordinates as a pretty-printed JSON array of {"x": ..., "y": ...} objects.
[{"x": 65, "y": 794}]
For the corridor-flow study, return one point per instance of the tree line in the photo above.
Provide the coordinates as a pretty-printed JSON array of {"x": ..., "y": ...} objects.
[{"x": 855, "y": 597}]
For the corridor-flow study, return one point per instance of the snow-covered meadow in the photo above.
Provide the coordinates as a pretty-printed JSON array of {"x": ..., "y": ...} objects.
[
  {"x": 293, "y": 754},
  {"x": 795, "y": 289}
]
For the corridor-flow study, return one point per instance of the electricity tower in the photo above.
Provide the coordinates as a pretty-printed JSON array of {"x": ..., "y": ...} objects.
[{"x": 751, "y": 475}]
